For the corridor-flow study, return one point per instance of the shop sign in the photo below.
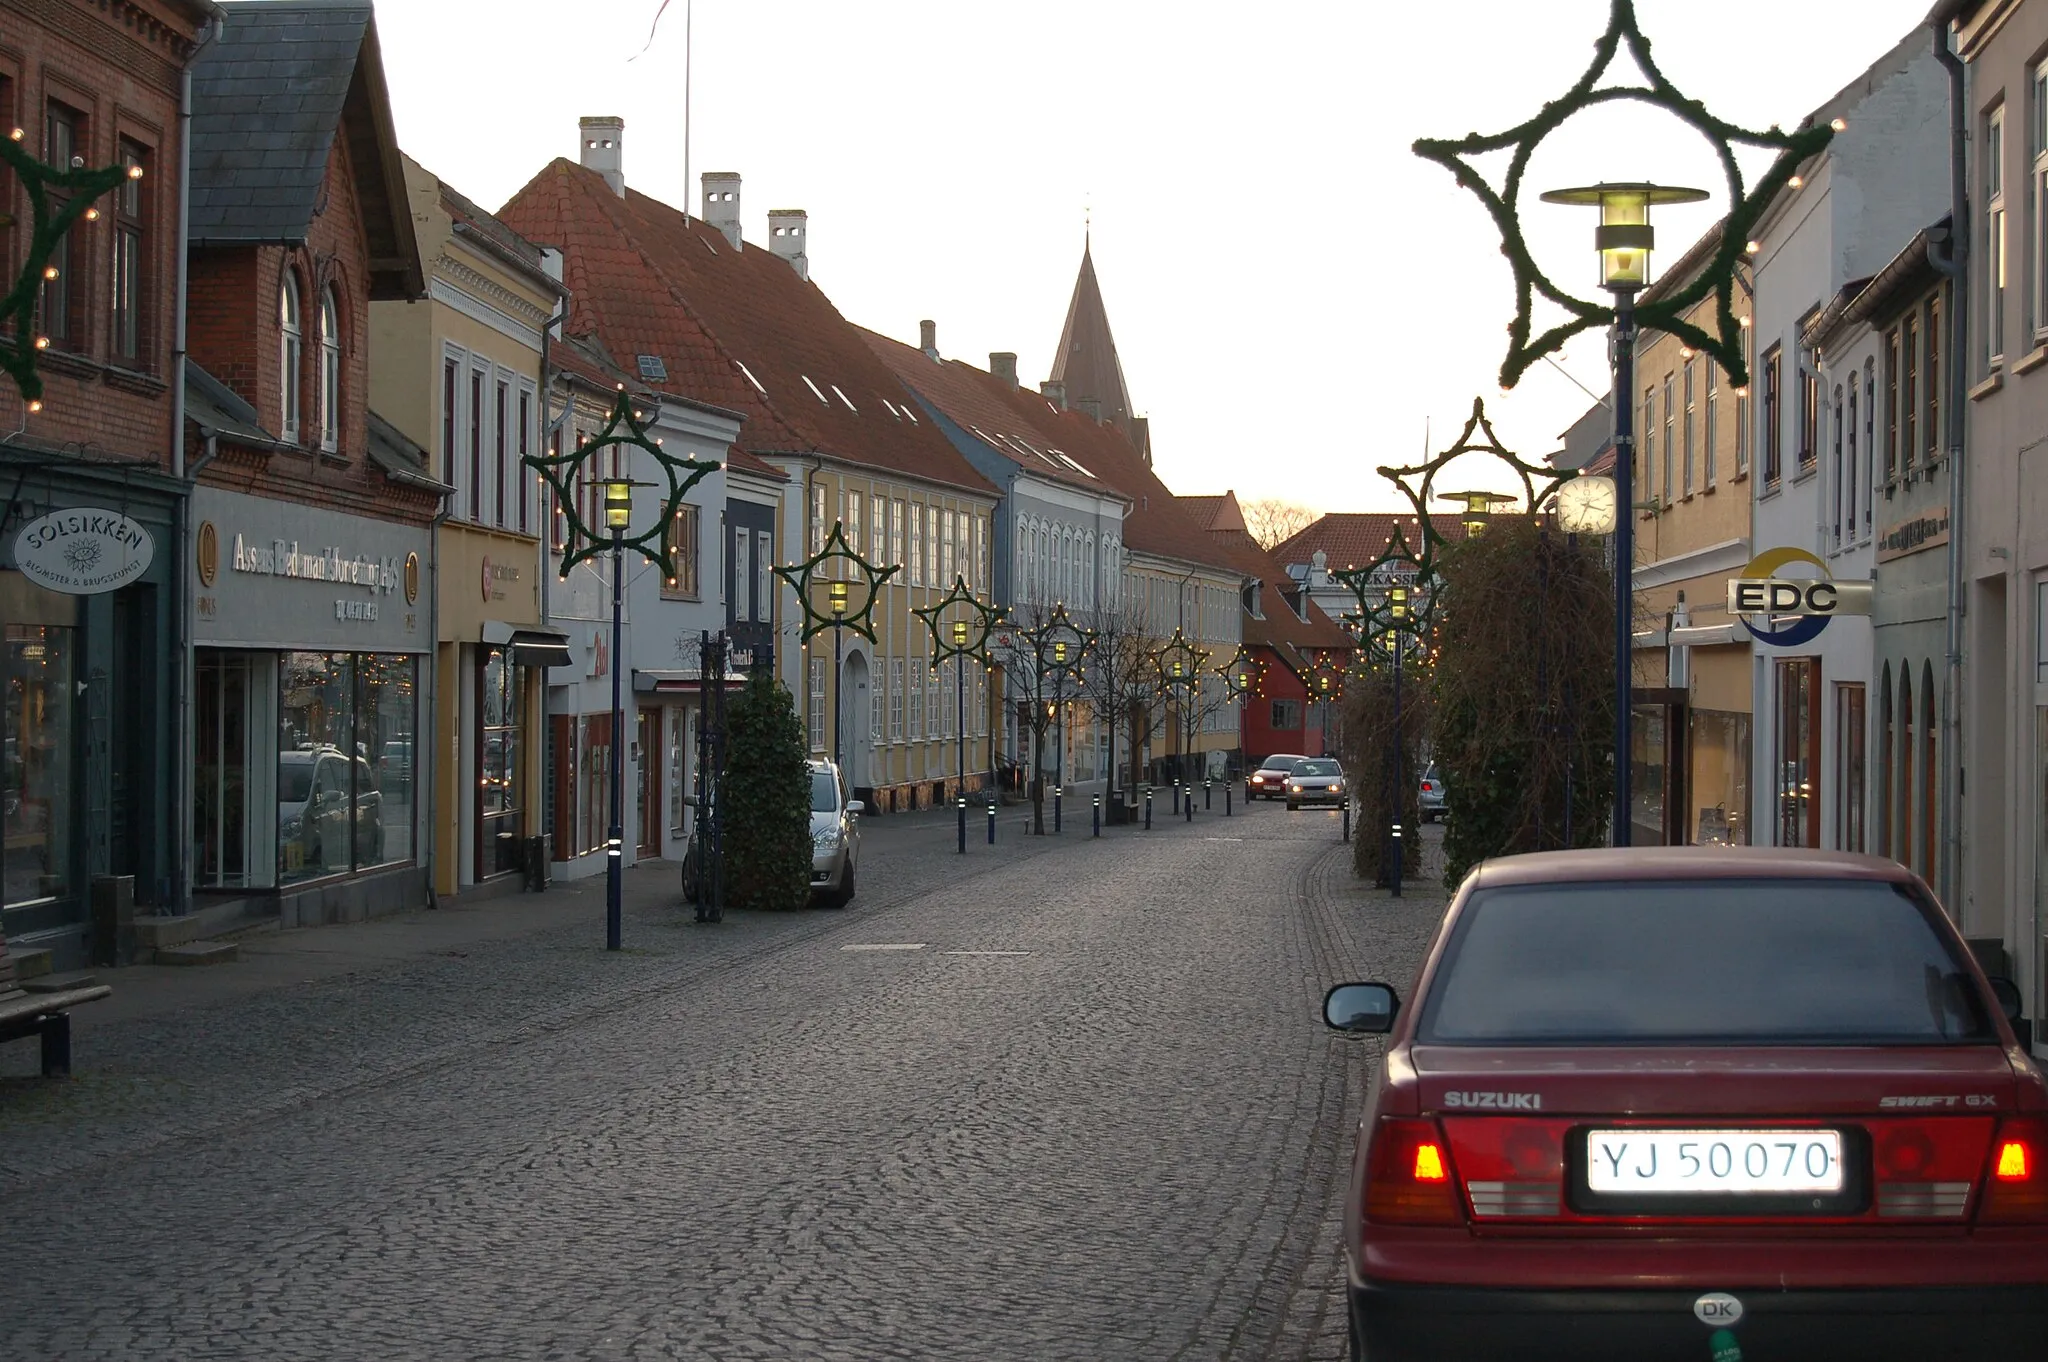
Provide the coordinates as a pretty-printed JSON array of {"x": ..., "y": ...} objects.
[
  {"x": 1811, "y": 601},
  {"x": 494, "y": 576},
  {"x": 1928, "y": 530},
  {"x": 83, "y": 551}
]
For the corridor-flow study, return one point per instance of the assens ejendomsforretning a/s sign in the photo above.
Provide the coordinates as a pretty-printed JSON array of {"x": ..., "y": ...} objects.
[
  {"x": 1811, "y": 601},
  {"x": 83, "y": 551}
]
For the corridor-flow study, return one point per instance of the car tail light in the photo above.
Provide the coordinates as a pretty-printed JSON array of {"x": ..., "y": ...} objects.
[
  {"x": 1409, "y": 1176},
  {"x": 1926, "y": 1168},
  {"x": 2015, "y": 1182},
  {"x": 1511, "y": 1169}
]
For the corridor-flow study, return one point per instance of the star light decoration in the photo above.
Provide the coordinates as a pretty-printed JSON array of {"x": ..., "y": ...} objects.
[
  {"x": 859, "y": 616},
  {"x": 1326, "y": 677},
  {"x": 1244, "y": 674},
  {"x": 1179, "y": 661},
  {"x": 46, "y": 230},
  {"x": 1667, "y": 313},
  {"x": 981, "y": 621},
  {"x": 622, "y": 427},
  {"x": 1058, "y": 644}
]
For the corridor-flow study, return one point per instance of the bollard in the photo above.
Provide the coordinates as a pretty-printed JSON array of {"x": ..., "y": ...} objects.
[
  {"x": 991, "y": 822},
  {"x": 1098, "y": 815},
  {"x": 1400, "y": 860},
  {"x": 1148, "y": 808},
  {"x": 1055, "y": 810},
  {"x": 1188, "y": 804},
  {"x": 1228, "y": 790},
  {"x": 1347, "y": 820},
  {"x": 1176, "y": 796},
  {"x": 963, "y": 825},
  {"x": 1208, "y": 796}
]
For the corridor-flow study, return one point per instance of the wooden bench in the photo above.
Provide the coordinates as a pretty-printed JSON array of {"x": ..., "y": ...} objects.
[{"x": 47, "y": 1015}]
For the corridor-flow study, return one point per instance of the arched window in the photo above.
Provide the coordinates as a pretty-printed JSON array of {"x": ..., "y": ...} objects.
[
  {"x": 1884, "y": 762},
  {"x": 330, "y": 371},
  {"x": 1930, "y": 737},
  {"x": 1902, "y": 835},
  {"x": 290, "y": 350}
]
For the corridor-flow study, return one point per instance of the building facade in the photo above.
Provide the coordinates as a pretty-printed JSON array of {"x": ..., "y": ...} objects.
[{"x": 94, "y": 683}]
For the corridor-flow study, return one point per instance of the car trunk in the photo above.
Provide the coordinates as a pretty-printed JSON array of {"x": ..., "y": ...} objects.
[{"x": 1613, "y": 1139}]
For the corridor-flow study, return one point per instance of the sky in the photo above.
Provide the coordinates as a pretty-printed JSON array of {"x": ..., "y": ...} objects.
[{"x": 1297, "y": 298}]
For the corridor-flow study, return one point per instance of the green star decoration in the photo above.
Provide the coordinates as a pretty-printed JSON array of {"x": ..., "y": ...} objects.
[
  {"x": 46, "y": 230},
  {"x": 1666, "y": 314},
  {"x": 859, "y": 616},
  {"x": 1418, "y": 481},
  {"x": 1244, "y": 674},
  {"x": 1179, "y": 661},
  {"x": 981, "y": 620},
  {"x": 621, "y": 427}
]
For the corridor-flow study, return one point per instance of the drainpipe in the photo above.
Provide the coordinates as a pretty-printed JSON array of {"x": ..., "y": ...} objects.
[
  {"x": 182, "y": 677},
  {"x": 432, "y": 714},
  {"x": 1953, "y": 263}
]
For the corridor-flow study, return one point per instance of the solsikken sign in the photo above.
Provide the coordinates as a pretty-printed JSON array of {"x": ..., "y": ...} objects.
[
  {"x": 83, "y": 551},
  {"x": 1810, "y": 602}
]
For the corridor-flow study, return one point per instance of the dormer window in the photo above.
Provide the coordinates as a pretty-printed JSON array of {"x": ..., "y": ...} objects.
[
  {"x": 330, "y": 372},
  {"x": 290, "y": 347}
]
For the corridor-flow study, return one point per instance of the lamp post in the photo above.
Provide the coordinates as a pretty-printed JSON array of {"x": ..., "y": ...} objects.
[
  {"x": 1180, "y": 666},
  {"x": 836, "y": 594},
  {"x": 618, "y": 513},
  {"x": 1624, "y": 239},
  {"x": 1479, "y": 508},
  {"x": 1397, "y": 622},
  {"x": 965, "y": 634}
]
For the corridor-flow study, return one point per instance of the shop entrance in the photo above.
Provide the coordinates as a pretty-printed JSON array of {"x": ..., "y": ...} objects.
[{"x": 647, "y": 747}]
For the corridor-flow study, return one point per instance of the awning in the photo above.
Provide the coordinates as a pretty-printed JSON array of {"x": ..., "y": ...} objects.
[
  {"x": 532, "y": 647},
  {"x": 681, "y": 682}
]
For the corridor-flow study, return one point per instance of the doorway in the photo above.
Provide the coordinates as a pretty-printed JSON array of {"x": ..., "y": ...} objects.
[
  {"x": 855, "y": 721},
  {"x": 647, "y": 749}
]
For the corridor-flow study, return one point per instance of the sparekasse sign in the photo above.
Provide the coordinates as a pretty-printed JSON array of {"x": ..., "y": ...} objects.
[{"x": 83, "y": 551}]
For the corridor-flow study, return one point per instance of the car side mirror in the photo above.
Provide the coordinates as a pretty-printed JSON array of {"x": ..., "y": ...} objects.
[
  {"x": 1361, "y": 1007},
  {"x": 856, "y": 806}
]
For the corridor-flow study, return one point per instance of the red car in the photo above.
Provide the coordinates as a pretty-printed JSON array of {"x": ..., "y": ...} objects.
[{"x": 1697, "y": 1103}]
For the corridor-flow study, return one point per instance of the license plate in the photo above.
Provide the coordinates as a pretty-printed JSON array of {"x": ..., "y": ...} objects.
[{"x": 1736, "y": 1162}]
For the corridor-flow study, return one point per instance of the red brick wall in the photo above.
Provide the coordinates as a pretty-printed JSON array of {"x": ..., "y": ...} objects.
[
  {"x": 117, "y": 63},
  {"x": 234, "y": 328}
]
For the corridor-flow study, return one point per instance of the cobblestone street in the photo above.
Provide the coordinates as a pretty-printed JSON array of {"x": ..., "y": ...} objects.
[{"x": 1061, "y": 1098}]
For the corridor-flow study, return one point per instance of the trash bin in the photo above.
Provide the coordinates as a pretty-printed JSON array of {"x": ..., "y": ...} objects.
[{"x": 540, "y": 854}]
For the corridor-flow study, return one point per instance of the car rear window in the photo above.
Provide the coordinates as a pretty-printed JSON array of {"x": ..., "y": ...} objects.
[
  {"x": 1748, "y": 962},
  {"x": 824, "y": 792}
]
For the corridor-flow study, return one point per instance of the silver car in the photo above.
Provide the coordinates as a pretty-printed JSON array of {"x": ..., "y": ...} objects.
[{"x": 835, "y": 836}]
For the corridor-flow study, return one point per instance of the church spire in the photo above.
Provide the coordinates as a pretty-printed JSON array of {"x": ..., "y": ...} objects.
[{"x": 1086, "y": 364}]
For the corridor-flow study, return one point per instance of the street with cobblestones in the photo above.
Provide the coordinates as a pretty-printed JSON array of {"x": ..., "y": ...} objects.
[{"x": 1058, "y": 1098}]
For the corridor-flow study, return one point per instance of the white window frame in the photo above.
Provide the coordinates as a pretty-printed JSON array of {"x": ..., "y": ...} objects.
[
  {"x": 1709, "y": 426},
  {"x": 896, "y": 696},
  {"x": 742, "y": 573},
  {"x": 291, "y": 347},
  {"x": 816, "y": 714},
  {"x": 1991, "y": 174},
  {"x": 330, "y": 370}
]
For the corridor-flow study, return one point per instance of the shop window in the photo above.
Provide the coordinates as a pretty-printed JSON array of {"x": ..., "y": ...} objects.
[
  {"x": 1850, "y": 741},
  {"x": 594, "y": 780},
  {"x": 500, "y": 756},
  {"x": 41, "y": 711},
  {"x": 1798, "y": 753},
  {"x": 225, "y": 698},
  {"x": 1720, "y": 763},
  {"x": 678, "y": 726},
  {"x": 346, "y": 731}
]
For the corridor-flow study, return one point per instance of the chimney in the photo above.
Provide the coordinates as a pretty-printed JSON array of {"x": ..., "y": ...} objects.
[
  {"x": 1003, "y": 364},
  {"x": 722, "y": 203},
  {"x": 928, "y": 338},
  {"x": 604, "y": 150},
  {"x": 1090, "y": 407},
  {"x": 1055, "y": 392},
  {"x": 1141, "y": 436},
  {"x": 788, "y": 231}
]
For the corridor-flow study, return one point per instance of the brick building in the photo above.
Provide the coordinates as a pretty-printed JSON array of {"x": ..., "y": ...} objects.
[
  {"x": 313, "y": 603},
  {"x": 90, "y": 583}
]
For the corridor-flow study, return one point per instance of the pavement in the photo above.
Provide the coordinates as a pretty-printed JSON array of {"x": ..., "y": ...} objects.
[{"x": 1058, "y": 1098}]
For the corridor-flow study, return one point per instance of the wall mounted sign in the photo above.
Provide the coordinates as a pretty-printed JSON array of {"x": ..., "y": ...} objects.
[
  {"x": 1927, "y": 530},
  {"x": 207, "y": 547},
  {"x": 83, "y": 551},
  {"x": 412, "y": 579},
  {"x": 1813, "y": 601}
]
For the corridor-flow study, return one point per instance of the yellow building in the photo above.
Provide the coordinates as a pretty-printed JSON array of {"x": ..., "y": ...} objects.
[
  {"x": 1691, "y": 756},
  {"x": 460, "y": 374}
]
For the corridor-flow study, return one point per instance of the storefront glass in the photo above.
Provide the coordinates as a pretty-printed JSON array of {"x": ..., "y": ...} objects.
[
  {"x": 595, "y": 785},
  {"x": 1850, "y": 760},
  {"x": 1647, "y": 774},
  {"x": 37, "y": 786},
  {"x": 1720, "y": 777},
  {"x": 345, "y": 723},
  {"x": 220, "y": 787},
  {"x": 1798, "y": 752},
  {"x": 501, "y": 750}
]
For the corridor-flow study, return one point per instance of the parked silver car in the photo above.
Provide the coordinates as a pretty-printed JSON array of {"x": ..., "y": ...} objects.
[
  {"x": 835, "y": 836},
  {"x": 1430, "y": 798}
]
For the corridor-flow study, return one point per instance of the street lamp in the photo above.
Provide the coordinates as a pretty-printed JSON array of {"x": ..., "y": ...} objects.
[
  {"x": 1479, "y": 508},
  {"x": 965, "y": 635},
  {"x": 836, "y": 594},
  {"x": 1180, "y": 666},
  {"x": 1624, "y": 239},
  {"x": 618, "y": 514}
]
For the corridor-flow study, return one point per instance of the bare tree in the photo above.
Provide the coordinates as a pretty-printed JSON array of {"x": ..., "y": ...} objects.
[
  {"x": 1041, "y": 680},
  {"x": 1271, "y": 521},
  {"x": 1122, "y": 684}
]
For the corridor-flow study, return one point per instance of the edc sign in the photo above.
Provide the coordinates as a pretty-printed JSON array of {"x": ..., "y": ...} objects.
[{"x": 1811, "y": 601}]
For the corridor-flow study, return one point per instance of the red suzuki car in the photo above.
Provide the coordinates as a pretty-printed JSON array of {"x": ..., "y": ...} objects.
[{"x": 1697, "y": 1103}]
